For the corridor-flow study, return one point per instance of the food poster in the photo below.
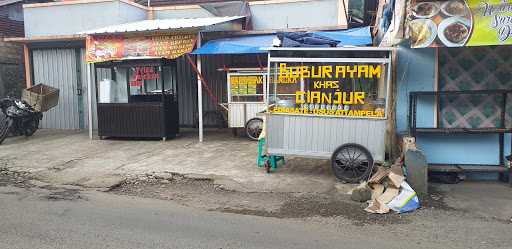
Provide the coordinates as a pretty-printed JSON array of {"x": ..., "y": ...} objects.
[
  {"x": 458, "y": 23},
  {"x": 116, "y": 47},
  {"x": 234, "y": 88},
  {"x": 242, "y": 88},
  {"x": 251, "y": 88},
  {"x": 245, "y": 84}
]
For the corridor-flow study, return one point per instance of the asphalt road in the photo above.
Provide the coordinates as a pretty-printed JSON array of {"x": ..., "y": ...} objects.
[{"x": 56, "y": 218}]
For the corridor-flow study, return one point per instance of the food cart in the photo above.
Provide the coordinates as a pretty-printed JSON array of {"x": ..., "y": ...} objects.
[
  {"x": 138, "y": 100},
  {"x": 245, "y": 100},
  {"x": 329, "y": 103}
]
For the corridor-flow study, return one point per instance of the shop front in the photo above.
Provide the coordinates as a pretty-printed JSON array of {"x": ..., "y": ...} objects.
[
  {"x": 461, "y": 117},
  {"x": 139, "y": 99},
  {"x": 135, "y": 69}
]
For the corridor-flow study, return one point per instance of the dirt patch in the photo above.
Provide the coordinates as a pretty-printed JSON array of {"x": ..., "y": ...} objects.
[
  {"x": 435, "y": 199},
  {"x": 64, "y": 195},
  {"x": 13, "y": 178},
  {"x": 24, "y": 179},
  {"x": 325, "y": 206},
  {"x": 204, "y": 194}
]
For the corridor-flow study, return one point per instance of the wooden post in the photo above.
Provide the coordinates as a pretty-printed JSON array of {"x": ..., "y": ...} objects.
[{"x": 28, "y": 66}]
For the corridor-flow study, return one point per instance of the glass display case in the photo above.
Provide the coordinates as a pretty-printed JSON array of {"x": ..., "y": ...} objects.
[{"x": 137, "y": 98}]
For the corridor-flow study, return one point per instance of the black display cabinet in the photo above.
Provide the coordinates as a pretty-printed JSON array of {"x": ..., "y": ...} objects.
[{"x": 137, "y": 99}]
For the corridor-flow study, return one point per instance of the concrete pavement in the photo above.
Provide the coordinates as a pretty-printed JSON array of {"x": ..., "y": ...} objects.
[{"x": 70, "y": 158}]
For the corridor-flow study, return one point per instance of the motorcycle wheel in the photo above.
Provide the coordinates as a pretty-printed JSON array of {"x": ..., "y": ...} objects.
[
  {"x": 31, "y": 127},
  {"x": 5, "y": 125}
]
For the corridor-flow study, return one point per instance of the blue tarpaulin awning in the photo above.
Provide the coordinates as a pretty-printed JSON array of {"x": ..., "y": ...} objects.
[{"x": 254, "y": 44}]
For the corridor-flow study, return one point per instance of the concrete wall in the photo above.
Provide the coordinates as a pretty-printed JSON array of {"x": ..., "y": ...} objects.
[
  {"x": 70, "y": 19},
  {"x": 319, "y": 13},
  {"x": 182, "y": 13},
  {"x": 301, "y": 14},
  {"x": 73, "y": 18},
  {"x": 416, "y": 72},
  {"x": 12, "y": 75}
]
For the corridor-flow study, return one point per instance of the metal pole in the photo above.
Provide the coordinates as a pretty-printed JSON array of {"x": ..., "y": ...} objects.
[
  {"x": 89, "y": 96},
  {"x": 199, "y": 91},
  {"x": 266, "y": 93}
]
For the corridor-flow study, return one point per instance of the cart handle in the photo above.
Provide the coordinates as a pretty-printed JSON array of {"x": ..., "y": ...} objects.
[{"x": 224, "y": 106}]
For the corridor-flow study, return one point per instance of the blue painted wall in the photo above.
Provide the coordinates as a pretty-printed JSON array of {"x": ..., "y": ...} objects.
[{"x": 416, "y": 72}]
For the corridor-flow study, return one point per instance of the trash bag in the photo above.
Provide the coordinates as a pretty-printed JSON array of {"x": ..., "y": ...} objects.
[{"x": 405, "y": 201}]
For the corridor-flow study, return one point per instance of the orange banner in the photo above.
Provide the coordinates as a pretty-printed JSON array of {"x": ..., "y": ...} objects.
[{"x": 116, "y": 47}]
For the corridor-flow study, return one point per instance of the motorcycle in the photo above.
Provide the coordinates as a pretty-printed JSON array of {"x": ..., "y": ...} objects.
[{"x": 19, "y": 118}]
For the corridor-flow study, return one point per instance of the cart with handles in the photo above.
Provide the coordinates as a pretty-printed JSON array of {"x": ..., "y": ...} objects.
[
  {"x": 245, "y": 100},
  {"x": 332, "y": 105}
]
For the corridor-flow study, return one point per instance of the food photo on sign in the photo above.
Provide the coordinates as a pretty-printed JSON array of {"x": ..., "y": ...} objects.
[{"x": 457, "y": 23}]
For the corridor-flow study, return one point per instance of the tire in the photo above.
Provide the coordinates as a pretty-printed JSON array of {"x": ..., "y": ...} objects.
[
  {"x": 351, "y": 163},
  {"x": 31, "y": 127},
  {"x": 253, "y": 128},
  {"x": 5, "y": 125}
]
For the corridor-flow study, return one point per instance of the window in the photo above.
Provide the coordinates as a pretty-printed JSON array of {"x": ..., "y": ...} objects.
[
  {"x": 145, "y": 80},
  {"x": 246, "y": 87},
  {"x": 122, "y": 84},
  {"x": 112, "y": 89}
]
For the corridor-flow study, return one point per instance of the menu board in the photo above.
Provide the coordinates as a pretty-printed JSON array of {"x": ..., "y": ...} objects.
[
  {"x": 245, "y": 84},
  {"x": 458, "y": 23},
  {"x": 116, "y": 47}
]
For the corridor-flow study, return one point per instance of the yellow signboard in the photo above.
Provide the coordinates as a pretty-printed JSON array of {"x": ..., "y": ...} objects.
[
  {"x": 330, "y": 89},
  {"x": 245, "y": 84}
]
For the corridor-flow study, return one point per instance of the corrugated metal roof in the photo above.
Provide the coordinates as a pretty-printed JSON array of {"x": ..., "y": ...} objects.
[{"x": 163, "y": 24}]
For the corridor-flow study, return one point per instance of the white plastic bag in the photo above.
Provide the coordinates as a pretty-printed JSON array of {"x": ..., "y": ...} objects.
[{"x": 405, "y": 201}]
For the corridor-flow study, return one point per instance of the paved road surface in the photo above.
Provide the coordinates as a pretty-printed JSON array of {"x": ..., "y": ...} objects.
[{"x": 37, "y": 218}]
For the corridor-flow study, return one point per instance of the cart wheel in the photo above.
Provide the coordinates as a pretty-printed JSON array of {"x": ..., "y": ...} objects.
[
  {"x": 351, "y": 163},
  {"x": 253, "y": 128},
  {"x": 268, "y": 167}
]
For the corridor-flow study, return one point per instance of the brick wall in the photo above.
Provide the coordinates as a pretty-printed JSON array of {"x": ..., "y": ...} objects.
[{"x": 12, "y": 76}]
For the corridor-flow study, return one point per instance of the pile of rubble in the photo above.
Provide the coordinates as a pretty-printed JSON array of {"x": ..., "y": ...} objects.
[{"x": 387, "y": 190}]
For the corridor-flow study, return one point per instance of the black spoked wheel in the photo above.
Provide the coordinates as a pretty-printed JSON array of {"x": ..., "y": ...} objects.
[
  {"x": 352, "y": 163},
  {"x": 253, "y": 128},
  {"x": 31, "y": 127},
  {"x": 5, "y": 125}
]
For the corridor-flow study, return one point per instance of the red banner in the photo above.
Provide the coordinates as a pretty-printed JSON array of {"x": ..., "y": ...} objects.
[{"x": 115, "y": 47}]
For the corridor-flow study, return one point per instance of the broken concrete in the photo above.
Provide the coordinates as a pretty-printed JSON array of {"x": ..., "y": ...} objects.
[
  {"x": 70, "y": 158},
  {"x": 417, "y": 171},
  {"x": 361, "y": 193}
]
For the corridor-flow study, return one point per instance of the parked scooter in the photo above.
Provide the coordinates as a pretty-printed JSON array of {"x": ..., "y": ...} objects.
[{"x": 18, "y": 118}]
